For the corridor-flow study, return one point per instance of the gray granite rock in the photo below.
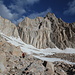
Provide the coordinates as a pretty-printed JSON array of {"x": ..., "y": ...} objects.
[
  {"x": 46, "y": 32},
  {"x": 8, "y": 28}
]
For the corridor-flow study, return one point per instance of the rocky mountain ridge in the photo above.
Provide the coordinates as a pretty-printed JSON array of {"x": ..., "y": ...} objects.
[
  {"x": 47, "y": 32},
  {"x": 42, "y": 32}
]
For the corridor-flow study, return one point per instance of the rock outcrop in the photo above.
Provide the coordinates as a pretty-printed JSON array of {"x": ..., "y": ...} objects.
[
  {"x": 49, "y": 31},
  {"x": 8, "y": 28}
]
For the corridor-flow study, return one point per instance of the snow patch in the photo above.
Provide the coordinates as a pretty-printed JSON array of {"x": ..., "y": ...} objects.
[
  {"x": 38, "y": 52},
  {"x": 53, "y": 59}
]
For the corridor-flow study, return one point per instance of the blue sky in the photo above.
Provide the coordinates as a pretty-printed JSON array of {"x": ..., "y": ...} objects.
[{"x": 17, "y": 10}]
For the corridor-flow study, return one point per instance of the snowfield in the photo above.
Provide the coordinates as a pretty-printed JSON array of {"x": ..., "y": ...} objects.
[{"x": 38, "y": 53}]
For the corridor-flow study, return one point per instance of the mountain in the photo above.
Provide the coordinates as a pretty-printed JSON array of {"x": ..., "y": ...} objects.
[
  {"x": 42, "y": 32},
  {"x": 20, "y": 47},
  {"x": 47, "y": 32}
]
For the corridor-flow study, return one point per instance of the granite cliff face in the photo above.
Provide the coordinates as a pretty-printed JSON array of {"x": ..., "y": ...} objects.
[
  {"x": 8, "y": 28},
  {"x": 36, "y": 32},
  {"x": 47, "y": 32},
  {"x": 40, "y": 32}
]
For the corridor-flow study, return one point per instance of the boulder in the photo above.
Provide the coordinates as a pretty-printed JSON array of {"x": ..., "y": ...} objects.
[
  {"x": 49, "y": 68},
  {"x": 3, "y": 62},
  {"x": 2, "y": 68},
  {"x": 60, "y": 71}
]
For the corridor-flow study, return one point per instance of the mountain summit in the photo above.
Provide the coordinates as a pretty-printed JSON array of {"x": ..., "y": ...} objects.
[
  {"x": 46, "y": 32},
  {"x": 42, "y": 32}
]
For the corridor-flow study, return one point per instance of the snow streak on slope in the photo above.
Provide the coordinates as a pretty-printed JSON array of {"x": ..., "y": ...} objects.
[{"x": 38, "y": 53}]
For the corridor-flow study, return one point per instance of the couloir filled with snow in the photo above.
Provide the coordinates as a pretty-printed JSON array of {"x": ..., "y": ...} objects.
[{"x": 38, "y": 53}]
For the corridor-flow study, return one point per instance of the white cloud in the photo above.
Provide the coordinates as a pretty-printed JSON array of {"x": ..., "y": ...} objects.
[
  {"x": 71, "y": 9},
  {"x": 6, "y": 13},
  {"x": 25, "y": 2},
  {"x": 32, "y": 1},
  {"x": 41, "y": 14},
  {"x": 18, "y": 9},
  {"x": 20, "y": 5},
  {"x": 34, "y": 15},
  {"x": 19, "y": 20},
  {"x": 15, "y": 10}
]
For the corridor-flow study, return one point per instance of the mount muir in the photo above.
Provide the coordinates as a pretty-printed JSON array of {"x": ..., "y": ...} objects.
[{"x": 40, "y": 46}]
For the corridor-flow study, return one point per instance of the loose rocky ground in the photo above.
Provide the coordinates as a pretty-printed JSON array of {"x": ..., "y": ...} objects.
[{"x": 13, "y": 63}]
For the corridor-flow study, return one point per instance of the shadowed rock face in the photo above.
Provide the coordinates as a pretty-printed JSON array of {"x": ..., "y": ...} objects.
[
  {"x": 47, "y": 32},
  {"x": 8, "y": 28}
]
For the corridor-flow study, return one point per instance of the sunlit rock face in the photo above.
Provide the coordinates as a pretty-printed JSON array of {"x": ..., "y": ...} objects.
[
  {"x": 8, "y": 28},
  {"x": 47, "y": 32},
  {"x": 36, "y": 32}
]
